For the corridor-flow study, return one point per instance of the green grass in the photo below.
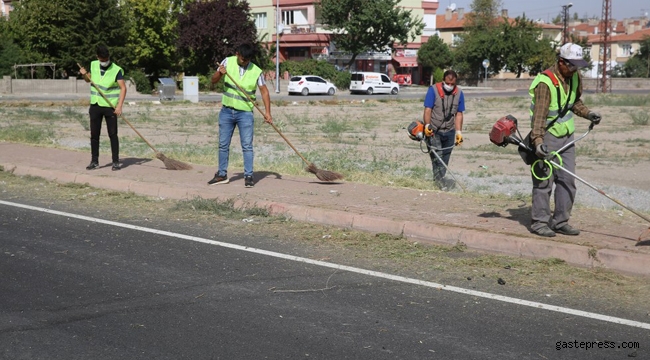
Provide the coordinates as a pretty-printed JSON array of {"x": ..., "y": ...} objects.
[
  {"x": 640, "y": 118},
  {"x": 333, "y": 129},
  {"x": 617, "y": 100},
  {"x": 25, "y": 133}
]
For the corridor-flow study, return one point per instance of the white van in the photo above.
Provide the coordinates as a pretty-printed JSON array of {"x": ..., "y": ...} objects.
[{"x": 372, "y": 83}]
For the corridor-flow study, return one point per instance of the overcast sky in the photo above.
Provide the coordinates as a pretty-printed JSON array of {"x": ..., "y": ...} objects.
[{"x": 549, "y": 9}]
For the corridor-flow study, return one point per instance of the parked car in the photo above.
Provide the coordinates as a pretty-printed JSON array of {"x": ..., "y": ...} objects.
[
  {"x": 310, "y": 84},
  {"x": 372, "y": 83}
]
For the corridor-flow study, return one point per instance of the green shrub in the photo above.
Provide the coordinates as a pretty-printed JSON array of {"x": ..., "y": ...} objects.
[
  {"x": 309, "y": 67},
  {"x": 640, "y": 118},
  {"x": 342, "y": 80},
  {"x": 142, "y": 84},
  {"x": 437, "y": 75}
]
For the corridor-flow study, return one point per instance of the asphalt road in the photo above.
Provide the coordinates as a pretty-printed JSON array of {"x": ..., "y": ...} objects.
[{"x": 76, "y": 288}]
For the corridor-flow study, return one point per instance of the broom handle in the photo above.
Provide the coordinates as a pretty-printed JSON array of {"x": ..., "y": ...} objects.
[
  {"x": 273, "y": 125},
  {"x": 111, "y": 104}
]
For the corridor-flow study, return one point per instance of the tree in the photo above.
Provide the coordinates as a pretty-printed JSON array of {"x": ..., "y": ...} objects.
[
  {"x": 66, "y": 32},
  {"x": 360, "y": 26},
  {"x": 435, "y": 54},
  {"x": 209, "y": 31},
  {"x": 481, "y": 40},
  {"x": 10, "y": 53},
  {"x": 152, "y": 35},
  {"x": 557, "y": 20},
  {"x": 522, "y": 46},
  {"x": 484, "y": 14}
]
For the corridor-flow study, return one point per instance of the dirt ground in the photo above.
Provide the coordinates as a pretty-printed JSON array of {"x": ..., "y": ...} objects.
[{"x": 366, "y": 140}]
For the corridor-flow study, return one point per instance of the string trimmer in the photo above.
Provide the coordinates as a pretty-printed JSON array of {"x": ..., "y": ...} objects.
[
  {"x": 416, "y": 132},
  {"x": 505, "y": 132}
]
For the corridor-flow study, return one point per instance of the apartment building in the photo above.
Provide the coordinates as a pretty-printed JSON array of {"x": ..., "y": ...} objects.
[
  {"x": 302, "y": 35},
  {"x": 6, "y": 6}
]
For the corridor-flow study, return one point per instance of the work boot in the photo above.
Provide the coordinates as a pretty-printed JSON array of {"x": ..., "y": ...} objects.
[
  {"x": 544, "y": 231},
  {"x": 567, "y": 229}
]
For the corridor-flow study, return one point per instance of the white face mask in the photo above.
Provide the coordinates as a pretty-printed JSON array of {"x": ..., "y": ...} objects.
[
  {"x": 448, "y": 88},
  {"x": 105, "y": 63}
]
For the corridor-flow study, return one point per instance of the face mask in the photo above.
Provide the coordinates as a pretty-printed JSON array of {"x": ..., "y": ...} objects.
[
  {"x": 105, "y": 63},
  {"x": 448, "y": 88}
]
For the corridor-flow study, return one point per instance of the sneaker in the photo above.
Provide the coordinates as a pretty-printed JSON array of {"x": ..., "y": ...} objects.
[
  {"x": 116, "y": 166},
  {"x": 567, "y": 229},
  {"x": 248, "y": 181},
  {"x": 544, "y": 231},
  {"x": 219, "y": 180},
  {"x": 92, "y": 166}
]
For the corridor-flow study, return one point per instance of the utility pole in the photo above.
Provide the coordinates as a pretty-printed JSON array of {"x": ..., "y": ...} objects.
[
  {"x": 605, "y": 83},
  {"x": 278, "y": 30},
  {"x": 565, "y": 17}
]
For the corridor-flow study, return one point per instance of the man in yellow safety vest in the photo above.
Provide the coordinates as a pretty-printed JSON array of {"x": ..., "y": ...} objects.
[
  {"x": 556, "y": 98},
  {"x": 109, "y": 77},
  {"x": 237, "y": 110}
]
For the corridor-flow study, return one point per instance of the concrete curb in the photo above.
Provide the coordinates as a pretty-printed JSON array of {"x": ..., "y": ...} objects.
[{"x": 497, "y": 243}]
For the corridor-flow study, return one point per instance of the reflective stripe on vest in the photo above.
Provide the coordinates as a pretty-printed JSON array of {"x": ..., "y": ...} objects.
[
  {"x": 563, "y": 125},
  {"x": 107, "y": 84},
  {"x": 232, "y": 96}
]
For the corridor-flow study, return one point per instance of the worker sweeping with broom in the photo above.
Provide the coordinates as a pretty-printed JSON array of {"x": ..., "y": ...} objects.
[
  {"x": 110, "y": 78},
  {"x": 556, "y": 97},
  {"x": 237, "y": 111}
]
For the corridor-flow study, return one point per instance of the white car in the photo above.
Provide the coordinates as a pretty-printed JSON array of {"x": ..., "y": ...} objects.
[{"x": 310, "y": 84}]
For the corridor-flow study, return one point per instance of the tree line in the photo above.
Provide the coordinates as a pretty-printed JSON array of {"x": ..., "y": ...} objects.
[{"x": 160, "y": 38}]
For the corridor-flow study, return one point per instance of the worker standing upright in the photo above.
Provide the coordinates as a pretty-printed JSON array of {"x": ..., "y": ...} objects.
[
  {"x": 443, "y": 121},
  {"x": 109, "y": 77}
]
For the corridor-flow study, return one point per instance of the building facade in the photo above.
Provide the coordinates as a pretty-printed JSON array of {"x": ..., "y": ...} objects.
[
  {"x": 6, "y": 6},
  {"x": 303, "y": 36}
]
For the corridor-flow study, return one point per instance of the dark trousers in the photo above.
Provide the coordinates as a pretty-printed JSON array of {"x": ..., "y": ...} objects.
[
  {"x": 440, "y": 141},
  {"x": 97, "y": 113}
]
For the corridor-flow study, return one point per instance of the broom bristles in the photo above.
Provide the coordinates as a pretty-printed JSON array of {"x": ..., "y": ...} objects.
[
  {"x": 171, "y": 164},
  {"x": 324, "y": 175}
]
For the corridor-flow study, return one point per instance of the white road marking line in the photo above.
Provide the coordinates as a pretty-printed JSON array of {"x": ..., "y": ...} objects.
[{"x": 378, "y": 274}]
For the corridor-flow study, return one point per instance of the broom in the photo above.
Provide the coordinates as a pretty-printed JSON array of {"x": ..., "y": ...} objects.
[
  {"x": 170, "y": 164},
  {"x": 322, "y": 175}
]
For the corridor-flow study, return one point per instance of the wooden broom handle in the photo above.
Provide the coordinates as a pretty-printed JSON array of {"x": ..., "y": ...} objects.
[
  {"x": 261, "y": 112},
  {"x": 111, "y": 104}
]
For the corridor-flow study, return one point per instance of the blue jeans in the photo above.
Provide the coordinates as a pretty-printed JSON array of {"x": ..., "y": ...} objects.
[
  {"x": 442, "y": 140},
  {"x": 228, "y": 119}
]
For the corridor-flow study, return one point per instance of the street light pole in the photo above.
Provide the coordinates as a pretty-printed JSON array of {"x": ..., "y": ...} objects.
[
  {"x": 565, "y": 12},
  {"x": 277, "y": 46}
]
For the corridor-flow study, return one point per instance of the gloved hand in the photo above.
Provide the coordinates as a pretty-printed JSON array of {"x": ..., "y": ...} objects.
[
  {"x": 428, "y": 130},
  {"x": 459, "y": 138},
  {"x": 594, "y": 117},
  {"x": 541, "y": 151}
]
